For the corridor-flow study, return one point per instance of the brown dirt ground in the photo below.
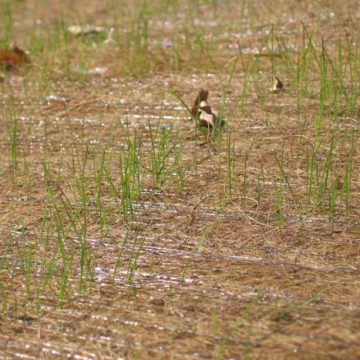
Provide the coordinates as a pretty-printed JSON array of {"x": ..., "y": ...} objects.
[{"x": 252, "y": 288}]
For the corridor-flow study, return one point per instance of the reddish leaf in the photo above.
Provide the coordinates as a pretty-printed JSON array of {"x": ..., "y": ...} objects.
[
  {"x": 202, "y": 111},
  {"x": 10, "y": 59}
]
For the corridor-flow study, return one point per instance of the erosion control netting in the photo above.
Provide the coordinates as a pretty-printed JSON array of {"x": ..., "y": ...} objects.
[{"x": 127, "y": 232}]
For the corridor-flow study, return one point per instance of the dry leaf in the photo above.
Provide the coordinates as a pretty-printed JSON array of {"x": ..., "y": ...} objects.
[
  {"x": 13, "y": 58},
  {"x": 203, "y": 112},
  {"x": 110, "y": 36},
  {"x": 277, "y": 86}
]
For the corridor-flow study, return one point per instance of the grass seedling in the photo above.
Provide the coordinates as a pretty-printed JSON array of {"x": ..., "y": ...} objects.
[
  {"x": 245, "y": 184},
  {"x": 160, "y": 152},
  {"x": 130, "y": 178},
  {"x": 229, "y": 168},
  {"x": 134, "y": 256},
  {"x": 259, "y": 186},
  {"x": 247, "y": 349},
  {"x": 85, "y": 259},
  {"x": 100, "y": 174},
  {"x": 241, "y": 318},
  {"x": 295, "y": 199},
  {"x": 321, "y": 186},
  {"x": 279, "y": 207},
  {"x": 14, "y": 152},
  {"x": 4, "y": 298},
  {"x": 199, "y": 242},
  {"x": 280, "y": 313},
  {"x": 180, "y": 170},
  {"x": 120, "y": 254},
  {"x": 348, "y": 176}
]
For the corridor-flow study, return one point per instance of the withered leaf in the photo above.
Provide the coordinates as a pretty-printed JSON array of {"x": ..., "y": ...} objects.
[
  {"x": 13, "y": 58},
  {"x": 277, "y": 86},
  {"x": 202, "y": 112}
]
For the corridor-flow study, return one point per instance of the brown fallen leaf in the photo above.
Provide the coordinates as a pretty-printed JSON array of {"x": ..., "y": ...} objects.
[
  {"x": 277, "y": 86},
  {"x": 13, "y": 58},
  {"x": 203, "y": 112}
]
